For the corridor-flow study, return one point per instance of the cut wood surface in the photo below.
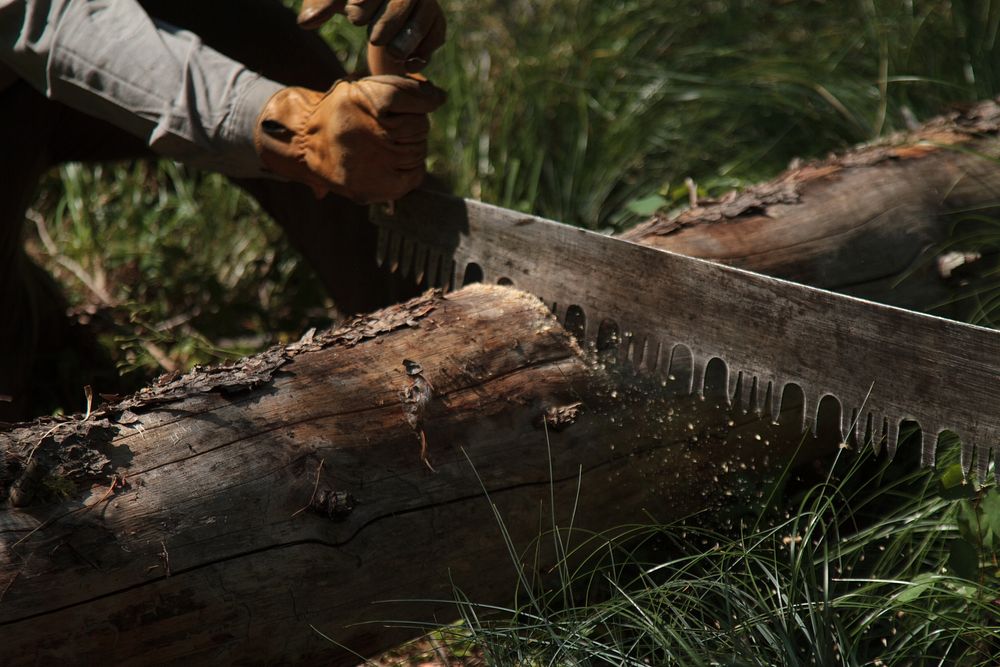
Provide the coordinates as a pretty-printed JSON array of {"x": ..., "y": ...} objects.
[
  {"x": 872, "y": 222},
  {"x": 220, "y": 516}
]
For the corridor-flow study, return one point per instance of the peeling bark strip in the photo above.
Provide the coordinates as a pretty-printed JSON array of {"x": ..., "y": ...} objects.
[
  {"x": 202, "y": 524},
  {"x": 869, "y": 222}
]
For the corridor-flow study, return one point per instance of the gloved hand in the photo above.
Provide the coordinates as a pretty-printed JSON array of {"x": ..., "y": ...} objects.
[
  {"x": 411, "y": 30},
  {"x": 365, "y": 139}
]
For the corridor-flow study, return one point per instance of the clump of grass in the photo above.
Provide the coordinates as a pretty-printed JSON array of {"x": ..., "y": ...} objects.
[{"x": 877, "y": 564}]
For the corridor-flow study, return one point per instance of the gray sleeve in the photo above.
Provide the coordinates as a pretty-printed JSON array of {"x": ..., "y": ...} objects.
[{"x": 109, "y": 59}]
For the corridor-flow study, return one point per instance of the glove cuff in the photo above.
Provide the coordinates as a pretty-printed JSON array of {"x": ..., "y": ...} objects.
[{"x": 281, "y": 133}]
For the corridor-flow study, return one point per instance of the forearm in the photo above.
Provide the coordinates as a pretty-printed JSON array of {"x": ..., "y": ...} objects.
[{"x": 111, "y": 60}]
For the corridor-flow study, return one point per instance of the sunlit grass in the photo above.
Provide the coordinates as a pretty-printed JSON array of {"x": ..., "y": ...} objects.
[{"x": 878, "y": 564}]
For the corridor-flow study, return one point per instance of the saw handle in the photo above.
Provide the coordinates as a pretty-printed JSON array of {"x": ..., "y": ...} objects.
[{"x": 380, "y": 61}]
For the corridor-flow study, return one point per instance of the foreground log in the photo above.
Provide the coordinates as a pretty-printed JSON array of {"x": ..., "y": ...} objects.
[
  {"x": 872, "y": 222},
  {"x": 217, "y": 516}
]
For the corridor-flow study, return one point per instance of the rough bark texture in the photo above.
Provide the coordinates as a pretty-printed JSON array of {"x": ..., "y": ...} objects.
[
  {"x": 871, "y": 222},
  {"x": 216, "y": 516}
]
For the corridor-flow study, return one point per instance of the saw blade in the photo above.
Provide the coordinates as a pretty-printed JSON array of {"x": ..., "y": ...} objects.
[{"x": 671, "y": 314}]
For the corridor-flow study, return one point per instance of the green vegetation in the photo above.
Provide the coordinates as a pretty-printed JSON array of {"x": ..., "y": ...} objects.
[
  {"x": 875, "y": 564},
  {"x": 595, "y": 112}
]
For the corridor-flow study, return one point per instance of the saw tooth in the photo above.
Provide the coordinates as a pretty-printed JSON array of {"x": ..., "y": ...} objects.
[
  {"x": 382, "y": 245},
  {"x": 420, "y": 259},
  {"x": 757, "y": 399},
  {"x": 808, "y": 416},
  {"x": 622, "y": 345},
  {"x": 633, "y": 349},
  {"x": 637, "y": 350},
  {"x": 928, "y": 445},
  {"x": 855, "y": 406},
  {"x": 865, "y": 432},
  {"x": 983, "y": 449},
  {"x": 855, "y": 431},
  {"x": 406, "y": 257},
  {"x": 699, "y": 367},
  {"x": 745, "y": 398},
  {"x": 967, "y": 453},
  {"x": 395, "y": 244},
  {"x": 737, "y": 392},
  {"x": 878, "y": 431},
  {"x": 448, "y": 279},
  {"x": 773, "y": 400},
  {"x": 996, "y": 462},
  {"x": 983, "y": 439},
  {"x": 650, "y": 355},
  {"x": 891, "y": 436},
  {"x": 575, "y": 322}
]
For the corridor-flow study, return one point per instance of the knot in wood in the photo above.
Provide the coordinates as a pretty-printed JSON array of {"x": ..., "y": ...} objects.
[
  {"x": 417, "y": 396},
  {"x": 335, "y": 505}
]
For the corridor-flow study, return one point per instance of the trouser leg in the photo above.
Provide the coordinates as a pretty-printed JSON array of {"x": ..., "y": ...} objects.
[
  {"x": 18, "y": 326},
  {"x": 45, "y": 359}
]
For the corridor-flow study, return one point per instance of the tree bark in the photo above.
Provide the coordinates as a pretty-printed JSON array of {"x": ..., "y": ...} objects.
[
  {"x": 220, "y": 516},
  {"x": 872, "y": 222}
]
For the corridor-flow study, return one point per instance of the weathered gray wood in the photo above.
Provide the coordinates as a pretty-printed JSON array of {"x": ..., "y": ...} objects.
[
  {"x": 884, "y": 365},
  {"x": 174, "y": 526},
  {"x": 870, "y": 222}
]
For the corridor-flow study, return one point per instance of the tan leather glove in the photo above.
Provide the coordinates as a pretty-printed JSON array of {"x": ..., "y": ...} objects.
[
  {"x": 411, "y": 30},
  {"x": 365, "y": 139}
]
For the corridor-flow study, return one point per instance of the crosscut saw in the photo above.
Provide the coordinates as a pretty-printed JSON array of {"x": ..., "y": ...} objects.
[
  {"x": 668, "y": 314},
  {"x": 671, "y": 315}
]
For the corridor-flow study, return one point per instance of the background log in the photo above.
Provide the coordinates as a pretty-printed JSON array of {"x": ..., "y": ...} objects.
[
  {"x": 217, "y": 516},
  {"x": 871, "y": 222}
]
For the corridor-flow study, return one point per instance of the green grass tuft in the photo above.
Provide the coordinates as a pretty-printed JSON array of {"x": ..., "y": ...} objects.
[{"x": 879, "y": 564}]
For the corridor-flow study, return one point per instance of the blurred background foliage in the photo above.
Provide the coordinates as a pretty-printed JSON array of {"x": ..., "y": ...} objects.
[{"x": 593, "y": 112}]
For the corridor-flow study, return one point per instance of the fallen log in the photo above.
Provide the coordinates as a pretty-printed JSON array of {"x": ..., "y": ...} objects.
[
  {"x": 882, "y": 221},
  {"x": 222, "y": 515}
]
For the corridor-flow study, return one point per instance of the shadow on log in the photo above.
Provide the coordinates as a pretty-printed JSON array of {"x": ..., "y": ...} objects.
[{"x": 216, "y": 516}]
